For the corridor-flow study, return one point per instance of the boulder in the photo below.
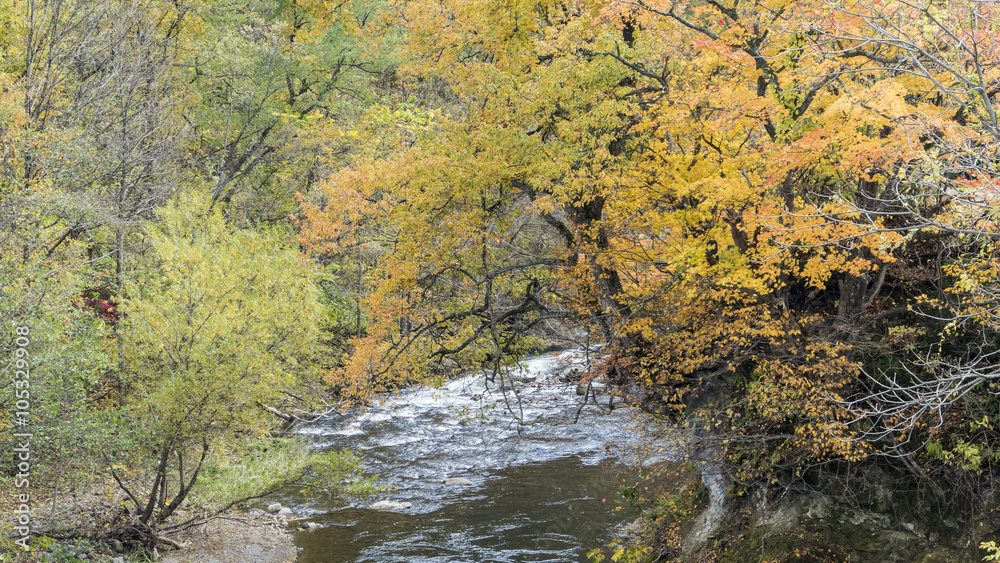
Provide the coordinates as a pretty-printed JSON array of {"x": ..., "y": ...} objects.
[
  {"x": 285, "y": 512},
  {"x": 274, "y": 508}
]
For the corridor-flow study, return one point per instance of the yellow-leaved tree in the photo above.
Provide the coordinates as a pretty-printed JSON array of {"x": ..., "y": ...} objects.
[{"x": 210, "y": 339}]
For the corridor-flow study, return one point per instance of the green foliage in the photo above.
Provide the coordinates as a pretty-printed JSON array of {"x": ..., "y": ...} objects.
[
  {"x": 338, "y": 474},
  {"x": 668, "y": 495},
  {"x": 251, "y": 469},
  {"x": 214, "y": 329},
  {"x": 67, "y": 363},
  {"x": 277, "y": 83},
  {"x": 211, "y": 337},
  {"x": 968, "y": 456},
  {"x": 993, "y": 550}
]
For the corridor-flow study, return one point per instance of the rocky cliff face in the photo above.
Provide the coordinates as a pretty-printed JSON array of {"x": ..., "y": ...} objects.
[
  {"x": 816, "y": 527},
  {"x": 873, "y": 515}
]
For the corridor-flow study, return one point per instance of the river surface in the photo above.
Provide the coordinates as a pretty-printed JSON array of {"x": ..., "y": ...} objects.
[{"x": 543, "y": 484}]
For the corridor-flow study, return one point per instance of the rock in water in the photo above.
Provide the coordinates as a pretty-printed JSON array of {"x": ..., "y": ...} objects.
[
  {"x": 457, "y": 481},
  {"x": 274, "y": 508},
  {"x": 389, "y": 505}
]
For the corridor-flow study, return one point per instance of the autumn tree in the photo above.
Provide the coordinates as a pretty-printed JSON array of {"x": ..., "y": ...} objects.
[
  {"x": 488, "y": 221},
  {"x": 211, "y": 339},
  {"x": 760, "y": 305},
  {"x": 656, "y": 204}
]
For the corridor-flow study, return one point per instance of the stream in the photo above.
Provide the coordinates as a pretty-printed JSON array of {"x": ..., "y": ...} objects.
[{"x": 544, "y": 490}]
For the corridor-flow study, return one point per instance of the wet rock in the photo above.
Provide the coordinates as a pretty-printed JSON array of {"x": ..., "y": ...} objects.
[
  {"x": 389, "y": 505},
  {"x": 634, "y": 529},
  {"x": 456, "y": 481},
  {"x": 914, "y": 529},
  {"x": 285, "y": 512},
  {"x": 707, "y": 523},
  {"x": 274, "y": 508},
  {"x": 526, "y": 378},
  {"x": 310, "y": 526},
  {"x": 581, "y": 389}
]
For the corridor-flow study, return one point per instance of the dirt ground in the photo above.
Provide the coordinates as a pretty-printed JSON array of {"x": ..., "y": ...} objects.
[{"x": 234, "y": 539}]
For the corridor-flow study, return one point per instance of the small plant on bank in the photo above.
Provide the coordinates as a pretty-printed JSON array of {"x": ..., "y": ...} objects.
[
  {"x": 992, "y": 548},
  {"x": 622, "y": 553}
]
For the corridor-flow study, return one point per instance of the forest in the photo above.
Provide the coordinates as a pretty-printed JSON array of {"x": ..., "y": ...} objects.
[{"x": 776, "y": 219}]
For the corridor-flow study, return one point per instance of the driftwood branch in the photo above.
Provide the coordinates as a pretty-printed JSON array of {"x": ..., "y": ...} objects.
[{"x": 289, "y": 418}]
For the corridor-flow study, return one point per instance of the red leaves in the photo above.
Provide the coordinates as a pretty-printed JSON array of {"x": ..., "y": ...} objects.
[{"x": 100, "y": 301}]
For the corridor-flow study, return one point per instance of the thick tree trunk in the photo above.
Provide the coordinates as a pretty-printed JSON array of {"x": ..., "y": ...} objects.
[
  {"x": 606, "y": 282},
  {"x": 856, "y": 293}
]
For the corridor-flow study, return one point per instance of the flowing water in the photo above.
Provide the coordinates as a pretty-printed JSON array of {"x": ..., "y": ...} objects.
[{"x": 543, "y": 483}]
